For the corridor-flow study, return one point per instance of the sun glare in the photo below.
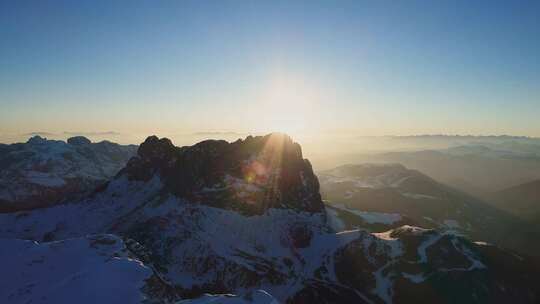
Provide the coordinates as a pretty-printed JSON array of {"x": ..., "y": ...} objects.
[{"x": 288, "y": 105}]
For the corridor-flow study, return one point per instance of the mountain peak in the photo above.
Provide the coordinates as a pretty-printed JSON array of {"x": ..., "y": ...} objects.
[
  {"x": 78, "y": 141},
  {"x": 36, "y": 139},
  {"x": 250, "y": 175},
  {"x": 155, "y": 148}
]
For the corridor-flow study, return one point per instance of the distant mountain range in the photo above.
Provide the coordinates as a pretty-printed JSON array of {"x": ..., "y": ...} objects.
[
  {"x": 196, "y": 223},
  {"x": 43, "y": 172},
  {"x": 383, "y": 196},
  {"x": 475, "y": 169}
]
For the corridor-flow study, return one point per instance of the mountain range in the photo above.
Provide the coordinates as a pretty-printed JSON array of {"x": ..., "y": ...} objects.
[
  {"x": 384, "y": 196},
  {"x": 41, "y": 172},
  {"x": 244, "y": 222},
  {"x": 480, "y": 170}
]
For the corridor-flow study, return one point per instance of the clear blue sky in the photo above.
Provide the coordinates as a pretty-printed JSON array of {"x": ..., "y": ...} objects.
[{"x": 367, "y": 67}]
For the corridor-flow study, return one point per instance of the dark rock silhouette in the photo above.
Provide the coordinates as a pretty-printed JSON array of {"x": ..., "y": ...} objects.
[
  {"x": 248, "y": 175},
  {"x": 78, "y": 140}
]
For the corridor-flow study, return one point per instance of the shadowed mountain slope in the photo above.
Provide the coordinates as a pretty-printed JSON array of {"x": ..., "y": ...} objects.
[{"x": 382, "y": 196}]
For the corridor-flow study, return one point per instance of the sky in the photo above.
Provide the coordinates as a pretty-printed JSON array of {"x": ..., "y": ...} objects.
[{"x": 308, "y": 68}]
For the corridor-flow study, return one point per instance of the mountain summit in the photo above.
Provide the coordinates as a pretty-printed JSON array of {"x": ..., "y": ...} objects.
[{"x": 250, "y": 175}]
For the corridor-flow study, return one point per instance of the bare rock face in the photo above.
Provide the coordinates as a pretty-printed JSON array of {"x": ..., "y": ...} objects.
[
  {"x": 248, "y": 175},
  {"x": 78, "y": 141}
]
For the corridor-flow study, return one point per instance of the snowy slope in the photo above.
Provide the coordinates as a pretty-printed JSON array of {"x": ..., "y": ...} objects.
[
  {"x": 93, "y": 269},
  {"x": 256, "y": 297},
  {"x": 184, "y": 238},
  {"x": 201, "y": 249}
]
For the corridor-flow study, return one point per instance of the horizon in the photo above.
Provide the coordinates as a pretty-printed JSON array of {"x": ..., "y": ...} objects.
[
  {"x": 129, "y": 139},
  {"x": 326, "y": 152}
]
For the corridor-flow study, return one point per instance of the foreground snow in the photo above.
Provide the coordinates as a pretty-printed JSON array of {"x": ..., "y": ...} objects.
[
  {"x": 257, "y": 297},
  {"x": 197, "y": 249},
  {"x": 94, "y": 269}
]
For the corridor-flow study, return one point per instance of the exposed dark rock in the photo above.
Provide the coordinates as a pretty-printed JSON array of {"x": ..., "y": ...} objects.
[
  {"x": 36, "y": 139},
  {"x": 248, "y": 175},
  {"x": 300, "y": 235},
  {"x": 78, "y": 140}
]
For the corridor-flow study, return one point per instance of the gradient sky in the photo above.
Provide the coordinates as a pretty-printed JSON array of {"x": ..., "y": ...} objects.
[{"x": 318, "y": 67}]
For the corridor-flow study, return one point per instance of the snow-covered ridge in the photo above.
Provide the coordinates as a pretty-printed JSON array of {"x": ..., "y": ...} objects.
[{"x": 42, "y": 172}]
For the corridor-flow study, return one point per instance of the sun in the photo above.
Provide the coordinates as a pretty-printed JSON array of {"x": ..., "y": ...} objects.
[{"x": 288, "y": 106}]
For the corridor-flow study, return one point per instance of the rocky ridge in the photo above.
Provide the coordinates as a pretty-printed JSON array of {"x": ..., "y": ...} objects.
[{"x": 41, "y": 172}]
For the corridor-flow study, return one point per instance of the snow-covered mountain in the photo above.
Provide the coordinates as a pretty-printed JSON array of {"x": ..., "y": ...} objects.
[
  {"x": 246, "y": 218},
  {"x": 91, "y": 269},
  {"x": 44, "y": 172},
  {"x": 384, "y": 196}
]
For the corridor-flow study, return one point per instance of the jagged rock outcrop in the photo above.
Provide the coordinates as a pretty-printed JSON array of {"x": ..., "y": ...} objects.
[
  {"x": 78, "y": 140},
  {"x": 250, "y": 175}
]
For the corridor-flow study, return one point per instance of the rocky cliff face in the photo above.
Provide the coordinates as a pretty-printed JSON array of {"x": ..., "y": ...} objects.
[{"x": 250, "y": 175}]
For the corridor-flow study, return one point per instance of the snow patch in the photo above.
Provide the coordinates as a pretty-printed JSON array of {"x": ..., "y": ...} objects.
[
  {"x": 372, "y": 217},
  {"x": 481, "y": 243},
  {"x": 415, "y": 278},
  {"x": 258, "y": 297},
  {"x": 425, "y": 244},
  {"x": 419, "y": 196}
]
